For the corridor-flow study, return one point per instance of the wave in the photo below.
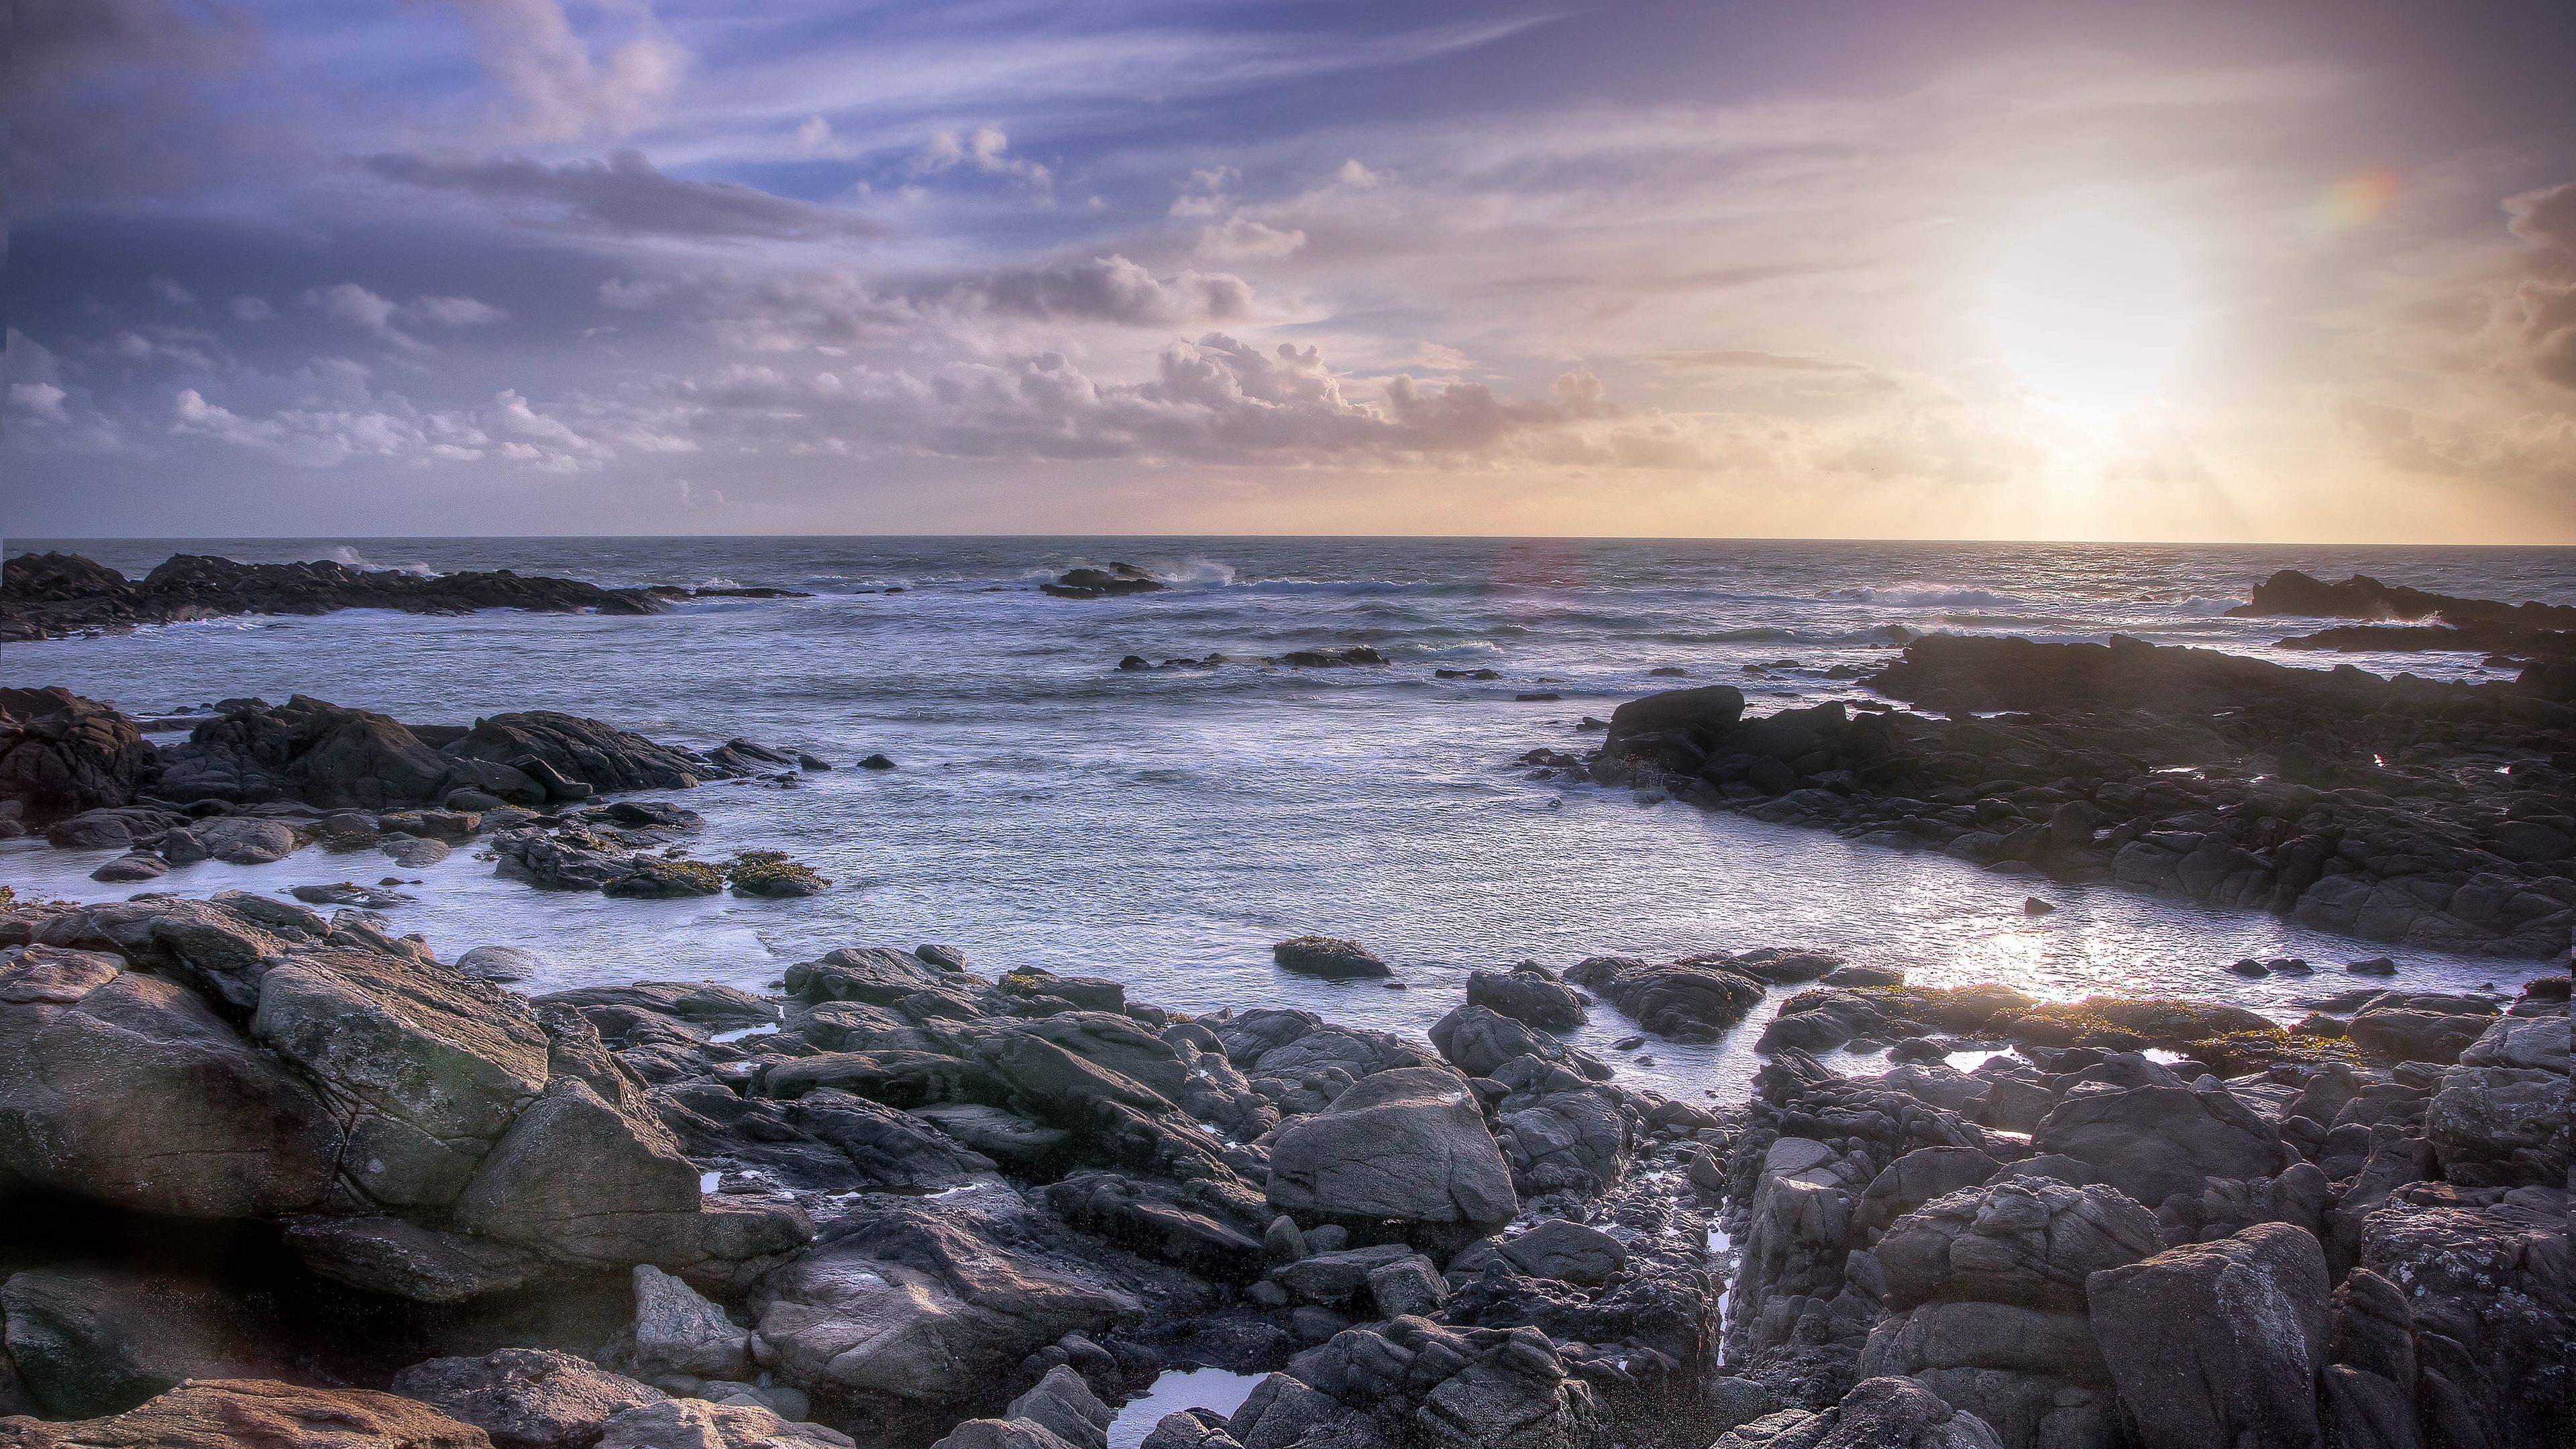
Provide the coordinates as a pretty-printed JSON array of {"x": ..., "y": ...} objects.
[{"x": 356, "y": 560}]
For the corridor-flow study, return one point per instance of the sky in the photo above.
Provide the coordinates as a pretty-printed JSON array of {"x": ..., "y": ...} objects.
[{"x": 2303, "y": 271}]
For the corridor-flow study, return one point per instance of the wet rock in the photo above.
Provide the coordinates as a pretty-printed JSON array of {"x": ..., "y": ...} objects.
[
  {"x": 1328, "y": 957},
  {"x": 1691, "y": 1000},
  {"x": 1096, "y": 583},
  {"x": 1529, "y": 994},
  {"x": 131, "y": 869},
  {"x": 258, "y": 1412},
  {"x": 237, "y": 840}
]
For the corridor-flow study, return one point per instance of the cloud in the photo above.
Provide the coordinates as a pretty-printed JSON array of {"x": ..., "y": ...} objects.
[
  {"x": 252, "y": 309},
  {"x": 1244, "y": 239},
  {"x": 456, "y": 311},
  {"x": 172, "y": 293},
  {"x": 2546, "y": 220},
  {"x": 107, "y": 98},
  {"x": 626, "y": 196},
  {"x": 1746, "y": 360},
  {"x": 318, "y": 432},
  {"x": 980, "y": 150},
  {"x": 39, "y": 399},
  {"x": 1106, "y": 289},
  {"x": 555, "y": 87}
]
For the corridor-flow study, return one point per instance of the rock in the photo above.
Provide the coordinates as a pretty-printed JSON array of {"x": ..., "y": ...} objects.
[
  {"x": 2218, "y": 1344},
  {"x": 2533, "y": 1044},
  {"x": 1568, "y": 1252},
  {"x": 126, "y": 1088},
  {"x": 575, "y": 1176},
  {"x": 1480, "y": 1041},
  {"x": 2409, "y": 1034},
  {"x": 2491, "y": 1302},
  {"x": 707, "y": 1004},
  {"x": 379, "y": 1253},
  {"x": 526, "y": 1398},
  {"x": 1409, "y": 1381},
  {"x": 2504, "y": 1126},
  {"x": 129, "y": 869},
  {"x": 1407, "y": 1145},
  {"x": 697, "y": 1424},
  {"x": 1060, "y": 1410},
  {"x": 500, "y": 963},
  {"x": 61, "y": 754},
  {"x": 1694, "y": 1000},
  {"x": 678, "y": 1332},
  {"x": 1880, "y": 1413},
  {"x": 1328, "y": 957},
  {"x": 416, "y": 852},
  {"x": 207, "y": 1413},
  {"x": 1087, "y": 582},
  {"x": 2153, "y": 1142},
  {"x": 238, "y": 840},
  {"x": 2372, "y": 966},
  {"x": 2029, "y": 1242},
  {"x": 1703, "y": 712},
  {"x": 94, "y": 1340},
  {"x": 876, "y": 762},
  {"x": 920, "y": 1307},
  {"x": 1529, "y": 994}
]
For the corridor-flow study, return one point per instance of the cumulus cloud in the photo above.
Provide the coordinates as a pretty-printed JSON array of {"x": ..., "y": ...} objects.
[
  {"x": 625, "y": 195},
  {"x": 39, "y": 400},
  {"x": 1106, "y": 289},
  {"x": 252, "y": 309},
  {"x": 1243, "y": 239},
  {"x": 348, "y": 302},
  {"x": 172, "y": 293},
  {"x": 324, "y": 432},
  {"x": 978, "y": 150},
  {"x": 556, "y": 86}
]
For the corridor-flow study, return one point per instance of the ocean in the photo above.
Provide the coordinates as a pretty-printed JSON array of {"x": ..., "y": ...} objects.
[{"x": 1165, "y": 827}]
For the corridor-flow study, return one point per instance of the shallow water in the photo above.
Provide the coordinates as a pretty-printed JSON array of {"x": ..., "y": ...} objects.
[
  {"x": 1175, "y": 1390},
  {"x": 1165, "y": 828}
]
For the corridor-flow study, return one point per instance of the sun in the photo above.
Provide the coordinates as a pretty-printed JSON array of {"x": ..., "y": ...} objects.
[{"x": 2089, "y": 311}]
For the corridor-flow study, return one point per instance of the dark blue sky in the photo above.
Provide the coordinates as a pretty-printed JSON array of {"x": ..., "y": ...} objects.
[{"x": 2174, "y": 271}]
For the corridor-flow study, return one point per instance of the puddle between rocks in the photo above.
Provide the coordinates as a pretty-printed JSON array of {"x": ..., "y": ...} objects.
[{"x": 1175, "y": 1390}]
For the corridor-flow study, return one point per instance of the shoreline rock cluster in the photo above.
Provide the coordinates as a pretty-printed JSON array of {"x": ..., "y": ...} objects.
[
  {"x": 54, "y": 595},
  {"x": 896, "y": 1202},
  {"x": 254, "y": 783},
  {"x": 2402, "y": 811}
]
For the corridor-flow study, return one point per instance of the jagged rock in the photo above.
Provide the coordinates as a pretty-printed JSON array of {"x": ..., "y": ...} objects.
[
  {"x": 2491, "y": 1295},
  {"x": 526, "y": 1398},
  {"x": 679, "y": 1333},
  {"x": 2020, "y": 1241},
  {"x": 1880, "y": 1413},
  {"x": 2404, "y": 1031},
  {"x": 61, "y": 754},
  {"x": 2218, "y": 1344},
  {"x": 1407, "y": 1145},
  {"x": 238, "y": 840},
  {"x": 208, "y": 1413},
  {"x": 1410, "y": 1382},
  {"x": 1060, "y": 1411},
  {"x": 2503, "y": 1126},
  {"x": 1479, "y": 1041},
  {"x": 380, "y": 1253},
  {"x": 1569, "y": 1252}
]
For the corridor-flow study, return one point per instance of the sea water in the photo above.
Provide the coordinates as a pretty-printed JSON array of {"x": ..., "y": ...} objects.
[{"x": 1164, "y": 828}]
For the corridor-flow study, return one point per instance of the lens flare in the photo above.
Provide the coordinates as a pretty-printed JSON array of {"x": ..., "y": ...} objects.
[{"x": 2361, "y": 197}]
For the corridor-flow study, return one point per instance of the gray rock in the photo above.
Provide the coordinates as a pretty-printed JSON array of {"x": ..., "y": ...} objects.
[
  {"x": 2214, "y": 1345},
  {"x": 2021, "y": 1241},
  {"x": 1408, "y": 1145},
  {"x": 1529, "y": 994},
  {"x": 126, "y": 1088},
  {"x": 413, "y": 852},
  {"x": 501, "y": 963},
  {"x": 2152, "y": 1142},
  {"x": 93, "y": 1340},
  {"x": 1411, "y": 1285},
  {"x": 242, "y": 840},
  {"x": 131, "y": 869},
  {"x": 2503, "y": 1126},
  {"x": 1568, "y": 1252},
  {"x": 697, "y": 1424},
  {"x": 678, "y": 1332},
  {"x": 526, "y": 1398},
  {"x": 263, "y": 1413}
]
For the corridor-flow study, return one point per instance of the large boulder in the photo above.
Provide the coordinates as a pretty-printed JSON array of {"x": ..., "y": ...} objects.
[
  {"x": 2217, "y": 1345},
  {"x": 2153, "y": 1142},
  {"x": 127, "y": 1088},
  {"x": 205, "y": 1414},
  {"x": 2024, "y": 1241},
  {"x": 921, "y": 1307},
  {"x": 1693, "y": 1000},
  {"x": 1529, "y": 994},
  {"x": 1702, "y": 714},
  {"x": 2502, "y": 1126},
  {"x": 1408, "y": 1381},
  {"x": 2491, "y": 1297},
  {"x": 526, "y": 1398},
  {"x": 1407, "y": 1145},
  {"x": 1329, "y": 957},
  {"x": 1879, "y": 1413},
  {"x": 306, "y": 750},
  {"x": 61, "y": 754},
  {"x": 698, "y": 1424}
]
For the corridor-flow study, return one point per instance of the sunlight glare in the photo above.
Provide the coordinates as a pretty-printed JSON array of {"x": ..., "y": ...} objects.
[{"x": 2089, "y": 312}]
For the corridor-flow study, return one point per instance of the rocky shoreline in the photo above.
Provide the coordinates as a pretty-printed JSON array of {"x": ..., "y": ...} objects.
[
  {"x": 267, "y": 1167},
  {"x": 2398, "y": 810},
  {"x": 255, "y": 783}
]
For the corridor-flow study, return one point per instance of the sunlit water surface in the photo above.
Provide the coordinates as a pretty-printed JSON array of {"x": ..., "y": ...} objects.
[{"x": 1165, "y": 828}]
